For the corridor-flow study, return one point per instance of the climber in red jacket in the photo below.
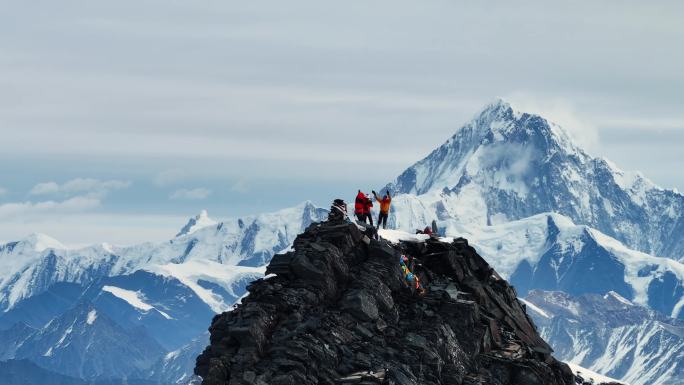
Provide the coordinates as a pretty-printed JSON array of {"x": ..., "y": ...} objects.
[
  {"x": 367, "y": 210},
  {"x": 360, "y": 207}
]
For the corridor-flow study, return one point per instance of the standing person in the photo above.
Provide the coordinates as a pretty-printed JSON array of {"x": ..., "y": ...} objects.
[
  {"x": 367, "y": 209},
  {"x": 384, "y": 208},
  {"x": 360, "y": 207}
]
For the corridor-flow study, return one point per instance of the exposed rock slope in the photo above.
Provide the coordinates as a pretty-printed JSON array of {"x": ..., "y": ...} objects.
[{"x": 340, "y": 311}]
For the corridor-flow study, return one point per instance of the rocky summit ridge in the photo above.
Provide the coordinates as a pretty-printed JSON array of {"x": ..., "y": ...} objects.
[{"x": 337, "y": 309}]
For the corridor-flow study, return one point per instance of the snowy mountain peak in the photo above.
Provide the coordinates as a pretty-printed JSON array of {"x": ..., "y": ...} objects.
[
  {"x": 506, "y": 165},
  {"x": 199, "y": 221},
  {"x": 40, "y": 242},
  {"x": 499, "y": 108},
  {"x": 500, "y": 120},
  {"x": 611, "y": 295},
  {"x": 499, "y": 104},
  {"x": 499, "y": 141}
]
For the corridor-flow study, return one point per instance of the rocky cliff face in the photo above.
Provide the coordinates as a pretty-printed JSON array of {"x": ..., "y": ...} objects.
[{"x": 340, "y": 311}]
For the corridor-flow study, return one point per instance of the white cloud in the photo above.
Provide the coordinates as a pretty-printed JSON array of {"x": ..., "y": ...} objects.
[
  {"x": 74, "y": 196},
  {"x": 83, "y": 228},
  {"x": 32, "y": 210},
  {"x": 635, "y": 123},
  {"x": 191, "y": 194},
  {"x": 403, "y": 86},
  {"x": 45, "y": 188},
  {"x": 240, "y": 187},
  {"x": 80, "y": 186},
  {"x": 3, "y": 191},
  {"x": 169, "y": 177}
]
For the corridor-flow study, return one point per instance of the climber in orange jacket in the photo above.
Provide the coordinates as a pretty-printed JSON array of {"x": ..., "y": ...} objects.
[{"x": 384, "y": 208}]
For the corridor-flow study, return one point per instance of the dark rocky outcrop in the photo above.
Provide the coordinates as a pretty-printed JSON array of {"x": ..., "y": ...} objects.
[{"x": 339, "y": 311}]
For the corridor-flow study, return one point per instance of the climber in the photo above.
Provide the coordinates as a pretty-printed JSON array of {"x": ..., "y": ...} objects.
[
  {"x": 411, "y": 278},
  {"x": 384, "y": 208},
  {"x": 360, "y": 207},
  {"x": 367, "y": 209}
]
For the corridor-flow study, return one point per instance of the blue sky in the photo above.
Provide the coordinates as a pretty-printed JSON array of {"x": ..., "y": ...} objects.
[{"x": 142, "y": 113}]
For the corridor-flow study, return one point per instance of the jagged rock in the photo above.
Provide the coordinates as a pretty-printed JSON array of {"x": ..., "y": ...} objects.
[
  {"x": 339, "y": 311},
  {"x": 361, "y": 305}
]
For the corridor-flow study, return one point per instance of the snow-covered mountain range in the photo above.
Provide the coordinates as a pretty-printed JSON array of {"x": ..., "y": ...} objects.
[
  {"x": 550, "y": 252},
  {"x": 30, "y": 266},
  {"x": 542, "y": 211},
  {"x": 135, "y": 312},
  {"x": 609, "y": 334}
]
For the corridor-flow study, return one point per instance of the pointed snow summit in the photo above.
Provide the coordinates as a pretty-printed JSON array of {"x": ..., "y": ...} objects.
[
  {"x": 40, "y": 242},
  {"x": 507, "y": 165},
  {"x": 199, "y": 221},
  {"x": 499, "y": 138},
  {"x": 33, "y": 244}
]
